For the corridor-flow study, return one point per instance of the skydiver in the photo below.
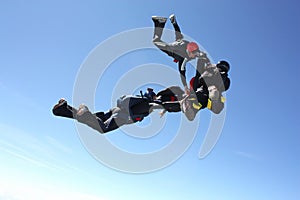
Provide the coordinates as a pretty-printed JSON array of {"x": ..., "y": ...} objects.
[
  {"x": 181, "y": 50},
  {"x": 150, "y": 94},
  {"x": 207, "y": 88},
  {"x": 130, "y": 109}
]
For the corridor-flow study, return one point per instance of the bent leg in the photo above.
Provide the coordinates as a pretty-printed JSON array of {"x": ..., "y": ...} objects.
[
  {"x": 159, "y": 24},
  {"x": 178, "y": 34},
  {"x": 163, "y": 46},
  {"x": 100, "y": 121},
  {"x": 86, "y": 117}
]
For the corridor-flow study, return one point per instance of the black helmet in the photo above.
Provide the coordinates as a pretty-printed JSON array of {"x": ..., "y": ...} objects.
[{"x": 223, "y": 66}]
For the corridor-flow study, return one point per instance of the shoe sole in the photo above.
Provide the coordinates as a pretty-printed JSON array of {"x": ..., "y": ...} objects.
[{"x": 159, "y": 19}]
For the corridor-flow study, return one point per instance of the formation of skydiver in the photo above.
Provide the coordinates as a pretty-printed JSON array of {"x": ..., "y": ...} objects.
[{"x": 203, "y": 91}]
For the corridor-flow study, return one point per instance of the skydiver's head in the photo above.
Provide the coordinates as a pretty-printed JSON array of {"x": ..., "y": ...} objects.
[
  {"x": 192, "y": 49},
  {"x": 150, "y": 89},
  {"x": 223, "y": 66}
]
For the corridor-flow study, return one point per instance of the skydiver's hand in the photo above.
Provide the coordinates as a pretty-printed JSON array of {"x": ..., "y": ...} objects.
[
  {"x": 187, "y": 90},
  {"x": 162, "y": 113}
]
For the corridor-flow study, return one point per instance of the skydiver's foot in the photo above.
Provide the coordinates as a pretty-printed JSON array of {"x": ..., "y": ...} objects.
[
  {"x": 60, "y": 103},
  {"x": 160, "y": 20},
  {"x": 173, "y": 19}
]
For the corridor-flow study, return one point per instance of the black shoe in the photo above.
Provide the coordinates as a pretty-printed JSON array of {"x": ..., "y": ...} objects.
[
  {"x": 157, "y": 19},
  {"x": 60, "y": 103},
  {"x": 62, "y": 109}
]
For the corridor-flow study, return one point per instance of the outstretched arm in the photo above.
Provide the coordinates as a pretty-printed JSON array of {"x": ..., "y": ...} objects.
[
  {"x": 182, "y": 71},
  {"x": 202, "y": 62}
]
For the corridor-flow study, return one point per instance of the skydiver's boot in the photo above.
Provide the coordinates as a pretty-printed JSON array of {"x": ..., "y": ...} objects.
[
  {"x": 178, "y": 35},
  {"x": 62, "y": 109},
  {"x": 159, "y": 24},
  {"x": 60, "y": 103},
  {"x": 160, "y": 20}
]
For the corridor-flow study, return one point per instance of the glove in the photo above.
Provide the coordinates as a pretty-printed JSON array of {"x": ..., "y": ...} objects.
[{"x": 187, "y": 90}]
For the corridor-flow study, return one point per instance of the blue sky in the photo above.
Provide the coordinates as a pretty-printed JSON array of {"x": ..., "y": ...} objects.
[{"x": 43, "y": 46}]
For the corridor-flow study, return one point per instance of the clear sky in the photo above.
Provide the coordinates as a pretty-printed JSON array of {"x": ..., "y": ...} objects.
[{"x": 43, "y": 46}]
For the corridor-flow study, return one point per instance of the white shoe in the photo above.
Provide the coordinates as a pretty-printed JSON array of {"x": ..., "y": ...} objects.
[{"x": 173, "y": 19}]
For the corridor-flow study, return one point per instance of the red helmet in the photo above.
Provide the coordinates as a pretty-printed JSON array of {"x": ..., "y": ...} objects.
[{"x": 192, "y": 46}]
